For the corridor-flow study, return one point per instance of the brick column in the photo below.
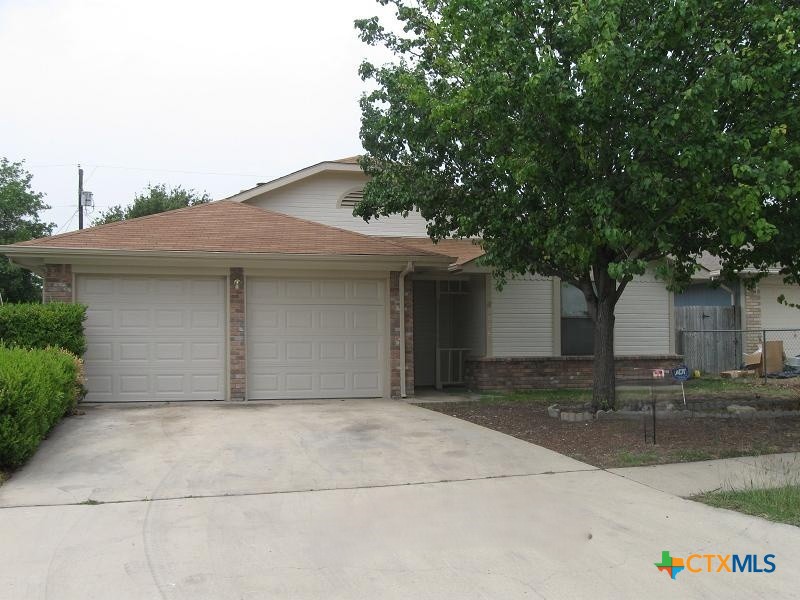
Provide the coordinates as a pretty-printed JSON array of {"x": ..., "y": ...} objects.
[
  {"x": 752, "y": 318},
  {"x": 237, "y": 344},
  {"x": 394, "y": 334},
  {"x": 409, "y": 324},
  {"x": 394, "y": 325},
  {"x": 57, "y": 285}
]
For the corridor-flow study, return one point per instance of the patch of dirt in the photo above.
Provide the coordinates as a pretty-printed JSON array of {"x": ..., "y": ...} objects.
[{"x": 620, "y": 442}]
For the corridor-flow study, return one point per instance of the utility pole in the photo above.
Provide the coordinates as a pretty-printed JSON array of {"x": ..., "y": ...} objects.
[{"x": 80, "y": 198}]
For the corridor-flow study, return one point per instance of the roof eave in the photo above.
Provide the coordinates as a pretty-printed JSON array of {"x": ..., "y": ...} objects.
[{"x": 35, "y": 257}]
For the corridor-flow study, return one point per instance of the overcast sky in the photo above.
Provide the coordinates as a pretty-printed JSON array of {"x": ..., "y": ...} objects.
[{"x": 215, "y": 96}]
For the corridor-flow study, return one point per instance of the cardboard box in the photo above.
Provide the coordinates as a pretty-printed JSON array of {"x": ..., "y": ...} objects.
[
  {"x": 736, "y": 374},
  {"x": 773, "y": 359},
  {"x": 774, "y": 356}
]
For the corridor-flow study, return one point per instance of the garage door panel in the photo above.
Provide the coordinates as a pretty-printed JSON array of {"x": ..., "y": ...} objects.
[
  {"x": 298, "y": 383},
  {"x": 172, "y": 317},
  {"x": 315, "y": 338},
  {"x": 134, "y": 352},
  {"x": 169, "y": 351},
  {"x": 130, "y": 385},
  {"x": 281, "y": 320},
  {"x": 152, "y": 338},
  {"x": 365, "y": 381},
  {"x": 368, "y": 290},
  {"x": 333, "y": 290},
  {"x": 99, "y": 319},
  {"x": 350, "y": 351}
]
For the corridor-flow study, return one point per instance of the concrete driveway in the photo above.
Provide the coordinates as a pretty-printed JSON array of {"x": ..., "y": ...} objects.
[{"x": 352, "y": 499}]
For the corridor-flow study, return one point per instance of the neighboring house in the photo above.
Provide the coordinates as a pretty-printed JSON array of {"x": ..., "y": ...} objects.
[
  {"x": 760, "y": 309},
  {"x": 703, "y": 291},
  {"x": 724, "y": 321},
  {"x": 280, "y": 292}
]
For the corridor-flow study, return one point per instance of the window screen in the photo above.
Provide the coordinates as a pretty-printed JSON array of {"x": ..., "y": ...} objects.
[{"x": 577, "y": 329}]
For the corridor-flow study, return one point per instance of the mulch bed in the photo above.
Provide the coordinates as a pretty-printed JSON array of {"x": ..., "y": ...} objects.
[{"x": 620, "y": 442}]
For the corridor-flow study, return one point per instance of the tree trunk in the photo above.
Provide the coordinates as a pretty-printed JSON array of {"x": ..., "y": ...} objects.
[{"x": 605, "y": 384}]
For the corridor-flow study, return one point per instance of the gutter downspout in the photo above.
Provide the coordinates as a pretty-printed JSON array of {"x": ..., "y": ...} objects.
[{"x": 402, "y": 290}]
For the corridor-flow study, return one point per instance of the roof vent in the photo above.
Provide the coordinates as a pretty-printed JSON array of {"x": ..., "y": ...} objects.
[{"x": 351, "y": 199}]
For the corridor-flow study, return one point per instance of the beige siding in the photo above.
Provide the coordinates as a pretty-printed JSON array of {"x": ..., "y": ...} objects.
[
  {"x": 316, "y": 199},
  {"x": 775, "y": 315},
  {"x": 643, "y": 318},
  {"x": 477, "y": 326},
  {"x": 521, "y": 318}
]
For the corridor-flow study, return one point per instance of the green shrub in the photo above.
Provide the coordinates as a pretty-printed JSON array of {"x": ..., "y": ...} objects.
[
  {"x": 43, "y": 325},
  {"x": 37, "y": 388}
]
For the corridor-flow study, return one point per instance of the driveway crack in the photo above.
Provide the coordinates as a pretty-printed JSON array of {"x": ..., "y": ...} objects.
[{"x": 305, "y": 490}]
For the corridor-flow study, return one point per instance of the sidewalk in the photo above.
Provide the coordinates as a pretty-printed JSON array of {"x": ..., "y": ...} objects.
[{"x": 687, "y": 479}]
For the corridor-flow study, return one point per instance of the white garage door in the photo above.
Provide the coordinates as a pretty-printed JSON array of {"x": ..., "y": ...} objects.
[
  {"x": 154, "y": 338},
  {"x": 775, "y": 315},
  {"x": 312, "y": 338}
]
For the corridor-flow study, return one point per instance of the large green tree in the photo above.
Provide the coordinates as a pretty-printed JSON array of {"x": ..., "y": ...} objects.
[
  {"x": 585, "y": 140},
  {"x": 155, "y": 199},
  {"x": 19, "y": 221}
]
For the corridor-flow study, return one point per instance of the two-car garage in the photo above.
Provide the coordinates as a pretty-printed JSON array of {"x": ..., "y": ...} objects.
[
  {"x": 165, "y": 338},
  {"x": 228, "y": 301}
]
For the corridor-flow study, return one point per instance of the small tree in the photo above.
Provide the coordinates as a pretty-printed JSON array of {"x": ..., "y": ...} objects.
[
  {"x": 19, "y": 221},
  {"x": 155, "y": 199},
  {"x": 585, "y": 140}
]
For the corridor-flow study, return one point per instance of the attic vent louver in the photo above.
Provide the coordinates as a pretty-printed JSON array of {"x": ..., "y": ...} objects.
[{"x": 350, "y": 199}]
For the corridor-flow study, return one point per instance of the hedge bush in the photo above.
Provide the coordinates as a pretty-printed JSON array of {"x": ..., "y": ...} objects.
[
  {"x": 37, "y": 388},
  {"x": 44, "y": 325}
]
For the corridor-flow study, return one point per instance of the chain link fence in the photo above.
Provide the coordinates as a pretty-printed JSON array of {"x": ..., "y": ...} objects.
[{"x": 774, "y": 353}]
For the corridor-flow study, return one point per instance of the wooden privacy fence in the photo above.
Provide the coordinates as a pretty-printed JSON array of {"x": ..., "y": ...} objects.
[{"x": 707, "y": 338}]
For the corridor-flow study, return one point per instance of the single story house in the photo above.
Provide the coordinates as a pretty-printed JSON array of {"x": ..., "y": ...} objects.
[{"x": 279, "y": 292}]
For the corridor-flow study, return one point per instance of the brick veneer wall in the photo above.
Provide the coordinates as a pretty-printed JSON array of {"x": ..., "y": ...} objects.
[
  {"x": 557, "y": 371},
  {"x": 236, "y": 336},
  {"x": 57, "y": 285},
  {"x": 752, "y": 318}
]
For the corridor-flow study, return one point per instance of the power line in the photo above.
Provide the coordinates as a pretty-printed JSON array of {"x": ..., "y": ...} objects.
[
  {"x": 49, "y": 166},
  {"x": 217, "y": 173},
  {"x": 65, "y": 225},
  {"x": 154, "y": 170}
]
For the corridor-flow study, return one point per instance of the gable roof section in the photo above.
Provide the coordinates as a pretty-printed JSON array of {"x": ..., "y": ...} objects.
[
  {"x": 348, "y": 164},
  {"x": 225, "y": 226}
]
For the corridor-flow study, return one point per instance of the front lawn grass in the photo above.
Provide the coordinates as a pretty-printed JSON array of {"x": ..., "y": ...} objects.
[
  {"x": 541, "y": 397},
  {"x": 701, "y": 388},
  {"x": 780, "y": 504},
  {"x": 716, "y": 387},
  {"x": 627, "y": 458}
]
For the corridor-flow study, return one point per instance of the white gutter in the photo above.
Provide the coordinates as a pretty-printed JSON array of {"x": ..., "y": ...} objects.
[{"x": 402, "y": 290}]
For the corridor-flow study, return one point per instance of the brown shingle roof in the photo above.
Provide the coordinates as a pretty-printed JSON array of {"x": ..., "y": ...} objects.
[
  {"x": 464, "y": 250},
  {"x": 226, "y": 227}
]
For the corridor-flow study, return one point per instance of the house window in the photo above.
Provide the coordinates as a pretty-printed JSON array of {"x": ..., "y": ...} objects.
[
  {"x": 577, "y": 329},
  {"x": 352, "y": 198}
]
